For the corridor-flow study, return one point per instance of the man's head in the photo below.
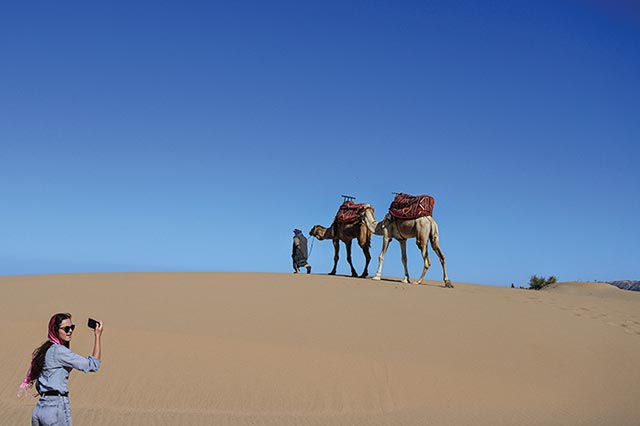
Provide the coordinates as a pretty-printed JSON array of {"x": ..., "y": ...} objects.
[{"x": 297, "y": 231}]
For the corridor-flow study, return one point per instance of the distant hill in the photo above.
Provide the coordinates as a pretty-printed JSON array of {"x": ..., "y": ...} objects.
[{"x": 627, "y": 284}]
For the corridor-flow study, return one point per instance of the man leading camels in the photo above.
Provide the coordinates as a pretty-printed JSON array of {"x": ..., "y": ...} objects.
[
  {"x": 299, "y": 252},
  {"x": 409, "y": 217}
]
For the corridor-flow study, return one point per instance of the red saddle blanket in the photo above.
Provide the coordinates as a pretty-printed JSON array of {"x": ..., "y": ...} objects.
[
  {"x": 406, "y": 206},
  {"x": 348, "y": 212}
]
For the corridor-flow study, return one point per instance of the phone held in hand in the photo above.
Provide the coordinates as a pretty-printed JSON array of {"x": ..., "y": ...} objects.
[{"x": 92, "y": 323}]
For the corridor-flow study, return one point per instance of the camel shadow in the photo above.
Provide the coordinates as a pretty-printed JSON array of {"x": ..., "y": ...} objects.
[
  {"x": 436, "y": 284},
  {"x": 347, "y": 276}
]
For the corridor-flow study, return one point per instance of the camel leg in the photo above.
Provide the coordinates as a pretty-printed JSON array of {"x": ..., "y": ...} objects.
[
  {"x": 422, "y": 245},
  {"x": 367, "y": 256},
  {"x": 435, "y": 244},
  {"x": 336, "y": 250},
  {"x": 353, "y": 270},
  {"x": 385, "y": 246},
  {"x": 403, "y": 249}
]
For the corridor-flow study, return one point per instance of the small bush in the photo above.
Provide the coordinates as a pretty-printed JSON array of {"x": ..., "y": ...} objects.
[{"x": 537, "y": 283}]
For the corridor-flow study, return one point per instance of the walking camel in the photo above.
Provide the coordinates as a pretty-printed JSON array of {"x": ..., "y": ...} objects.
[
  {"x": 423, "y": 229},
  {"x": 346, "y": 231}
]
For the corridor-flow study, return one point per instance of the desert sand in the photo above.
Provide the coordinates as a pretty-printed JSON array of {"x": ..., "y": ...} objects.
[{"x": 284, "y": 349}]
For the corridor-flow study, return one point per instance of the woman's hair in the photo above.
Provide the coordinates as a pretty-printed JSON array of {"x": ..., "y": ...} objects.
[{"x": 37, "y": 362}]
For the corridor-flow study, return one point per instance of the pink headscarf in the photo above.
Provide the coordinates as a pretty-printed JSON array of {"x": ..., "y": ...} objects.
[
  {"x": 53, "y": 332},
  {"x": 53, "y": 337}
]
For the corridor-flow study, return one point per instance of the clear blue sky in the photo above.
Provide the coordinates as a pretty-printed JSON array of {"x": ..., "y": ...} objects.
[{"x": 193, "y": 136}]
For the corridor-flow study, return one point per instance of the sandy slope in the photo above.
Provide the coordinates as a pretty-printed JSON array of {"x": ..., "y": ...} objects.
[{"x": 279, "y": 349}]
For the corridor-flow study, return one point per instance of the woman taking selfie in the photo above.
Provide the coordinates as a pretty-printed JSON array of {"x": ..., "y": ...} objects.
[{"x": 49, "y": 371}]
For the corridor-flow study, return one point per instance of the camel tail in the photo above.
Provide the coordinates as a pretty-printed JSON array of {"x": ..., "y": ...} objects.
[
  {"x": 435, "y": 236},
  {"x": 367, "y": 243}
]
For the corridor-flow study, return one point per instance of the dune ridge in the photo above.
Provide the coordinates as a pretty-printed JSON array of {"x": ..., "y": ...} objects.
[{"x": 284, "y": 349}]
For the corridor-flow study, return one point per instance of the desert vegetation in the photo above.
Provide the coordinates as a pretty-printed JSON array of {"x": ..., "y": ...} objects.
[{"x": 537, "y": 283}]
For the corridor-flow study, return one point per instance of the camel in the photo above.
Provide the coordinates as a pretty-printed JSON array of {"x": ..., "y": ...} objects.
[
  {"x": 345, "y": 232},
  {"x": 423, "y": 229}
]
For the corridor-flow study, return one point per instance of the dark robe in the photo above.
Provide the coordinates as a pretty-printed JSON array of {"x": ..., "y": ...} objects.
[{"x": 299, "y": 250}]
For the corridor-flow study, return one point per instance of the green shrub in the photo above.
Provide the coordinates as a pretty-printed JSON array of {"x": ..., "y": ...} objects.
[{"x": 537, "y": 283}]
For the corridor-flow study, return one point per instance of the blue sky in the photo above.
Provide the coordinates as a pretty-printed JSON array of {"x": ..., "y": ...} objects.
[{"x": 193, "y": 136}]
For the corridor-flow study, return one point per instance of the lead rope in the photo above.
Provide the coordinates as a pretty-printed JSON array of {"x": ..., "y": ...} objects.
[{"x": 311, "y": 249}]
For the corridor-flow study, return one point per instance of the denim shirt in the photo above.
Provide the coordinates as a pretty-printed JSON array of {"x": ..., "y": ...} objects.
[{"x": 58, "y": 363}]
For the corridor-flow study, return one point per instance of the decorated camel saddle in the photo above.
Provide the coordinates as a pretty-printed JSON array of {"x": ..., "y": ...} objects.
[
  {"x": 405, "y": 206},
  {"x": 348, "y": 212}
]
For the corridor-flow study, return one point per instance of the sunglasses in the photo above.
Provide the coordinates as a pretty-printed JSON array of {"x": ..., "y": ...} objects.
[{"x": 68, "y": 328}]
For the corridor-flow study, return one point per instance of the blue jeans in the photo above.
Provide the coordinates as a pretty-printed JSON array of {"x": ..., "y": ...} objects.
[{"x": 52, "y": 411}]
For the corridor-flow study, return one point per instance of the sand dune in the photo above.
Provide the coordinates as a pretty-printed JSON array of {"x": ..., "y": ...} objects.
[{"x": 284, "y": 349}]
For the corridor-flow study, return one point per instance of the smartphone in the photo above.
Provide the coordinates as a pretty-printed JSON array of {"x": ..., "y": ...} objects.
[{"x": 92, "y": 323}]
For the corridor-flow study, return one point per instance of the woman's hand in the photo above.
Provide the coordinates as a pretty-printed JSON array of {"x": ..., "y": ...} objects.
[{"x": 96, "y": 343}]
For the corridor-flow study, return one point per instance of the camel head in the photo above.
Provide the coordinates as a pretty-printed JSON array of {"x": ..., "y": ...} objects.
[
  {"x": 366, "y": 217},
  {"x": 318, "y": 231},
  {"x": 362, "y": 210}
]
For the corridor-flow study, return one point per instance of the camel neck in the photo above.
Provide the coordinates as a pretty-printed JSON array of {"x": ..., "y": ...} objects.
[{"x": 372, "y": 223}]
